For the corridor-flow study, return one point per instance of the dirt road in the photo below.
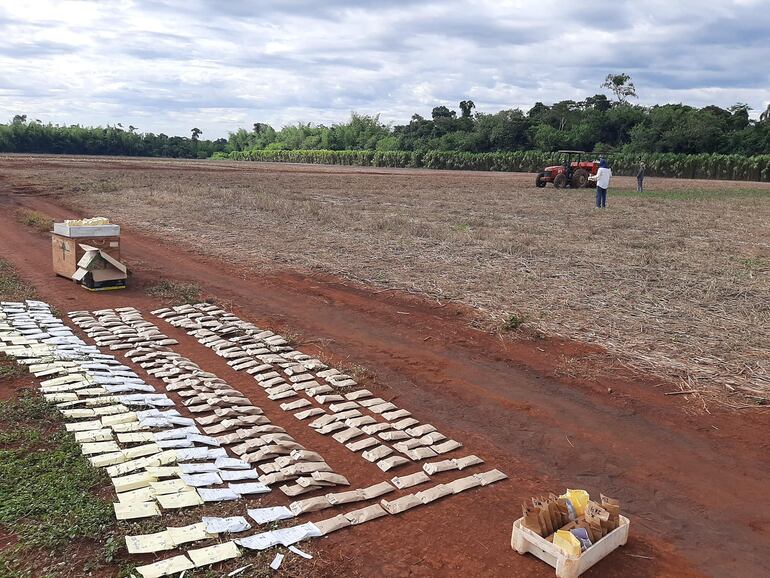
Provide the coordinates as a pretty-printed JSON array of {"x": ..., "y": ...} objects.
[{"x": 693, "y": 483}]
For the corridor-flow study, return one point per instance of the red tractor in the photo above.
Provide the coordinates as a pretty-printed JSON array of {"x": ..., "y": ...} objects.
[{"x": 573, "y": 172}]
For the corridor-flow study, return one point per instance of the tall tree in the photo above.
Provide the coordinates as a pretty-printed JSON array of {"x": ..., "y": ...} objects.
[
  {"x": 598, "y": 102},
  {"x": 442, "y": 112},
  {"x": 765, "y": 116},
  {"x": 196, "y": 132},
  {"x": 466, "y": 106},
  {"x": 621, "y": 86},
  {"x": 740, "y": 116}
]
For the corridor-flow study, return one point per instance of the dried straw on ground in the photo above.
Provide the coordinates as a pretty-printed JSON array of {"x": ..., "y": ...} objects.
[{"x": 677, "y": 283}]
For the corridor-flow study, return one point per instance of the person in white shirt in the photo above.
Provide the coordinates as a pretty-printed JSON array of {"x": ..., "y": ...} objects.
[{"x": 602, "y": 178}]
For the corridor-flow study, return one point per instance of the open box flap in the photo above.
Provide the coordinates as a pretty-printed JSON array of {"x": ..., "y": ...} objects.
[
  {"x": 107, "y": 274},
  {"x": 80, "y": 274},
  {"x": 114, "y": 262},
  {"x": 90, "y": 255}
]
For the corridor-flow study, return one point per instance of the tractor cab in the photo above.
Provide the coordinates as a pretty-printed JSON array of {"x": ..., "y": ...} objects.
[{"x": 572, "y": 172}]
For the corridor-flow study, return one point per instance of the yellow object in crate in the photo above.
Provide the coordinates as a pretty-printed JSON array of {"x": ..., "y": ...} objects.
[
  {"x": 567, "y": 543},
  {"x": 578, "y": 499}
]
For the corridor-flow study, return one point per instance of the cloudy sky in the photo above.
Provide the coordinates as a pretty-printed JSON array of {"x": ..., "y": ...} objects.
[{"x": 166, "y": 65}]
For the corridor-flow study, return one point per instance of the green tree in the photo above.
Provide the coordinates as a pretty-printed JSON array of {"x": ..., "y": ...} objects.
[
  {"x": 442, "y": 112},
  {"x": 466, "y": 106},
  {"x": 621, "y": 86},
  {"x": 507, "y": 130},
  {"x": 539, "y": 112},
  {"x": 196, "y": 132},
  {"x": 765, "y": 116},
  {"x": 598, "y": 102},
  {"x": 740, "y": 115},
  {"x": 547, "y": 138},
  {"x": 361, "y": 132}
]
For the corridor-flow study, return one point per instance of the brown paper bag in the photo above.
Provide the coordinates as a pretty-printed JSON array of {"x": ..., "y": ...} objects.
[
  {"x": 561, "y": 504},
  {"x": 434, "y": 493},
  {"x": 332, "y": 524},
  {"x": 462, "y": 484},
  {"x": 309, "y": 505},
  {"x": 365, "y": 514},
  {"x": 346, "y": 497},
  {"x": 598, "y": 518},
  {"x": 545, "y": 518},
  {"x": 532, "y": 519},
  {"x": 553, "y": 513},
  {"x": 613, "y": 508},
  {"x": 401, "y": 504}
]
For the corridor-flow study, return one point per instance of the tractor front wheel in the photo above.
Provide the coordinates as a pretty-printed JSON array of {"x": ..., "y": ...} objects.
[
  {"x": 540, "y": 181},
  {"x": 560, "y": 181},
  {"x": 580, "y": 179}
]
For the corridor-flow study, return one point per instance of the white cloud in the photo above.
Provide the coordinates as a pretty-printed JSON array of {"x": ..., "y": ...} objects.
[{"x": 166, "y": 66}]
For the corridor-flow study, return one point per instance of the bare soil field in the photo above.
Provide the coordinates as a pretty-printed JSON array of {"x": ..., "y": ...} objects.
[
  {"x": 400, "y": 275},
  {"x": 675, "y": 282}
]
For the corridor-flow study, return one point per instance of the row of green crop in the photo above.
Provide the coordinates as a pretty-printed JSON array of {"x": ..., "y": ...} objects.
[{"x": 703, "y": 166}]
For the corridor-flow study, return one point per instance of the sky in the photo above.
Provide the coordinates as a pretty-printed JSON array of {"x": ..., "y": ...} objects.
[{"x": 168, "y": 66}]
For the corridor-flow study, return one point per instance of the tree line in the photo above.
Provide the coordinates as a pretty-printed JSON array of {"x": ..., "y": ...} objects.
[
  {"x": 597, "y": 124},
  {"x": 32, "y": 136}
]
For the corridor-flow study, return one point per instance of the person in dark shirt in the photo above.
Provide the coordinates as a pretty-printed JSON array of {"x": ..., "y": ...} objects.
[{"x": 640, "y": 178}]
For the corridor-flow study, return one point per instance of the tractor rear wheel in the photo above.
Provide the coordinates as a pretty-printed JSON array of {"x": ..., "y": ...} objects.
[
  {"x": 560, "y": 181},
  {"x": 540, "y": 181},
  {"x": 580, "y": 179}
]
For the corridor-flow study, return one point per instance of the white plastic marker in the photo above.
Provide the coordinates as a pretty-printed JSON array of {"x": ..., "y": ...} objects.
[
  {"x": 299, "y": 552},
  {"x": 239, "y": 570},
  {"x": 276, "y": 563}
]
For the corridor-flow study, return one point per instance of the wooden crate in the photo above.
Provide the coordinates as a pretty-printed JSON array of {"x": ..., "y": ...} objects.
[{"x": 66, "y": 251}]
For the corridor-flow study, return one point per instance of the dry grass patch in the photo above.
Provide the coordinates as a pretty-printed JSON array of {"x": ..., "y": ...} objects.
[
  {"x": 9, "y": 369},
  {"x": 175, "y": 292},
  {"x": 13, "y": 287},
  {"x": 35, "y": 219},
  {"x": 672, "y": 281}
]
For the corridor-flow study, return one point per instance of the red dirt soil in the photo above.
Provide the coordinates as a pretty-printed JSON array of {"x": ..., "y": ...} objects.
[{"x": 694, "y": 484}]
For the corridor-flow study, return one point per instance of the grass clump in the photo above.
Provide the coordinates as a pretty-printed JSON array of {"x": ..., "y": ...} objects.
[
  {"x": 755, "y": 264},
  {"x": 45, "y": 483},
  {"x": 696, "y": 194},
  {"x": 176, "y": 292},
  {"x": 357, "y": 371},
  {"x": 35, "y": 219},
  {"x": 9, "y": 369},
  {"x": 512, "y": 322},
  {"x": 12, "y": 287}
]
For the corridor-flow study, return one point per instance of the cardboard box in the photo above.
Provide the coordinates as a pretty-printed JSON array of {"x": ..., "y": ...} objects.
[
  {"x": 98, "y": 271},
  {"x": 67, "y": 251}
]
